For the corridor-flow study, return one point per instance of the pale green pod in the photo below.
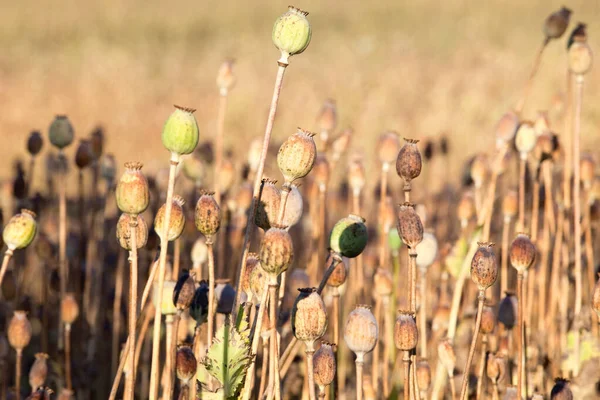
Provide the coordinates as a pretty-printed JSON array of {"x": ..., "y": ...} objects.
[
  {"x": 296, "y": 156},
  {"x": 61, "y": 132},
  {"x": 180, "y": 133},
  {"x": 349, "y": 236},
  {"x": 291, "y": 33},
  {"x": 166, "y": 302},
  {"x": 20, "y": 230}
]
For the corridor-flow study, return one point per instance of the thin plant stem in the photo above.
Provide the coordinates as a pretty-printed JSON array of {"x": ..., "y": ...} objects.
[
  {"x": 522, "y": 168},
  {"x": 589, "y": 251},
  {"x": 7, "y": 256},
  {"x": 285, "y": 191},
  {"x": 116, "y": 328},
  {"x": 482, "y": 365},
  {"x": 274, "y": 390},
  {"x": 255, "y": 341},
  {"x": 311, "y": 371},
  {"x": 176, "y": 259},
  {"x": 547, "y": 167},
  {"x": 504, "y": 250},
  {"x": 68, "y": 356},
  {"x": 264, "y": 368},
  {"x": 521, "y": 361},
  {"x": 423, "y": 313},
  {"x": 375, "y": 359},
  {"x": 62, "y": 239},
  {"x": 168, "y": 367},
  {"x": 140, "y": 340},
  {"x": 258, "y": 177},
  {"x": 389, "y": 340},
  {"x": 465, "y": 382},
  {"x": 452, "y": 387},
  {"x": 133, "y": 277},
  {"x": 406, "y": 360},
  {"x": 154, "y": 267},
  {"x": 335, "y": 309},
  {"x": 412, "y": 265},
  {"x": 197, "y": 347},
  {"x": 211, "y": 291},
  {"x": 286, "y": 362},
  {"x": 382, "y": 198},
  {"x": 30, "y": 174},
  {"x": 495, "y": 391},
  {"x": 154, "y": 372},
  {"x": 18, "y": 373},
  {"x": 486, "y": 219},
  {"x": 528, "y": 85},
  {"x": 322, "y": 222},
  {"x": 359, "y": 378},
  {"x": 44, "y": 299},
  {"x": 172, "y": 353},
  {"x": 217, "y": 170},
  {"x": 568, "y": 143}
]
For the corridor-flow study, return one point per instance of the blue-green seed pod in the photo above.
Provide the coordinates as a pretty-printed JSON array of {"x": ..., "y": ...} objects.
[
  {"x": 291, "y": 33},
  {"x": 20, "y": 230},
  {"x": 180, "y": 133},
  {"x": 61, "y": 132},
  {"x": 349, "y": 236}
]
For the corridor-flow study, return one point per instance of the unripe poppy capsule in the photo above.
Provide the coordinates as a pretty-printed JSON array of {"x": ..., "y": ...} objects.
[
  {"x": 296, "y": 155},
  {"x": 291, "y": 33},
  {"x": 132, "y": 193},
  {"x": 20, "y": 230},
  {"x": 61, "y": 132},
  {"x": 276, "y": 251},
  {"x": 349, "y": 236},
  {"x": 180, "y": 133}
]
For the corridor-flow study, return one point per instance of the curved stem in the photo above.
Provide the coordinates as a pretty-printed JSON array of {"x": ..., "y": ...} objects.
[
  {"x": 465, "y": 382},
  {"x": 154, "y": 372},
  {"x": 258, "y": 178},
  {"x": 521, "y": 361},
  {"x": 534, "y": 68},
  {"x": 154, "y": 267},
  {"x": 5, "y": 261}
]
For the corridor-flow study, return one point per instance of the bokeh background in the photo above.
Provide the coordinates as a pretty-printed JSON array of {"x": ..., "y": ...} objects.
[{"x": 419, "y": 67}]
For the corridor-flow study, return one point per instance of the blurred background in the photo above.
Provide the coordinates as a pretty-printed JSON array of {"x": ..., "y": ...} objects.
[{"x": 420, "y": 68}]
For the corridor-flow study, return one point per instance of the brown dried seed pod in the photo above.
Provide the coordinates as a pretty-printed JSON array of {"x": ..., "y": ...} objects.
[
  {"x": 309, "y": 317},
  {"x": 446, "y": 356},
  {"x": 479, "y": 169},
  {"x": 496, "y": 367},
  {"x": 408, "y": 162},
  {"x": 522, "y": 252},
  {"x": 510, "y": 204},
  {"x": 423, "y": 375},
  {"x": 488, "y": 320},
  {"x": 19, "y": 331},
  {"x": 69, "y": 309},
  {"x": 252, "y": 263},
  {"x": 361, "y": 331},
  {"x": 388, "y": 147},
  {"x": 596, "y": 298},
  {"x": 276, "y": 251},
  {"x": 123, "y": 231},
  {"x": 224, "y": 295},
  {"x": 507, "y": 311},
  {"x": 176, "y": 222},
  {"x": 507, "y": 127},
  {"x": 484, "y": 268},
  {"x": 356, "y": 174},
  {"x": 340, "y": 273},
  {"x": 561, "y": 390},
  {"x": 383, "y": 282},
  {"x": 466, "y": 208},
  {"x": 258, "y": 277},
  {"x": 207, "y": 216},
  {"x": 34, "y": 143},
  {"x": 186, "y": 364},
  {"x": 324, "y": 365},
  {"x": 132, "y": 191},
  {"x": 225, "y": 77},
  {"x": 296, "y": 155},
  {"x": 39, "y": 371},
  {"x": 556, "y": 23},
  {"x": 409, "y": 226},
  {"x": 184, "y": 291},
  {"x": 327, "y": 118},
  {"x": 84, "y": 155},
  {"x": 406, "y": 334},
  {"x": 580, "y": 57},
  {"x": 267, "y": 210},
  {"x": 293, "y": 207},
  {"x": 321, "y": 171}
]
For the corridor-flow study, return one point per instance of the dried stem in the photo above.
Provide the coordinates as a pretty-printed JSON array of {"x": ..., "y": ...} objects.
[
  {"x": 482, "y": 365},
  {"x": 258, "y": 178},
  {"x": 18, "y": 373},
  {"x": 264, "y": 367},
  {"x": 154, "y": 372},
  {"x": 217, "y": 170},
  {"x": 274, "y": 377},
  {"x": 168, "y": 370},
  {"x": 504, "y": 261},
  {"x": 211, "y": 291},
  {"x": 465, "y": 382},
  {"x": 375, "y": 359},
  {"x": 521, "y": 362},
  {"x": 311, "y": 371},
  {"x": 68, "y": 356},
  {"x": 406, "y": 360},
  {"x": 133, "y": 277},
  {"x": 522, "y": 168},
  {"x": 423, "y": 313},
  {"x": 176, "y": 259},
  {"x": 255, "y": 341},
  {"x": 116, "y": 328},
  {"x": 7, "y": 256},
  {"x": 534, "y": 68},
  {"x": 359, "y": 378},
  {"x": 412, "y": 265}
]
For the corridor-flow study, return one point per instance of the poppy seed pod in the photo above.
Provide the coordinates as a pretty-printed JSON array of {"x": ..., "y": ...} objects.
[
  {"x": 207, "y": 216},
  {"x": 254, "y": 151},
  {"x": 409, "y": 226},
  {"x": 276, "y": 251},
  {"x": 340, "y": 144},
  {"x": 267, "y": 210},
  {"x": 108, "y": 167},
  {"x": 349, "y": 236},
  {"x": 587, "y": 167},
  {"x": 69, "y": 309},
  {"x": 199, "y": 307},
  {"x": 61, "y": 132},
  {"x": 488, "y": 320},
  {"x": 324, "y": 365},
  {"x": 466, "y": 208},
  {"x": 184, "y": 291},
  {"x": 186, "y": 364},
  {"x": 556, "y": 23},
  {"x": 383, "y": 282},
  {"x": 522, "y": 252},
  {"x": 596, "y": 298},
  {"x": 508, "y": 311},
  {"x": 19, "y": 331},
  {"x": 580, "y": 57},
  {"x": 496, "y": 367},
  {"x": 20, "y": 230},
  {"x": 340, "y": 273},
  {"x": 525, "y": 139},
  {"x": 193, "y": 168},
  {"x": 180, "y": 133},
  {"x": 97, "y": 142},
  {"x": 176, "y": 222},
  {"x": 39, "y": 371},
  {"x": 258, "y": 277},
  {"x": 309, "y": 317},
  {"x": 361, "y": 331},
  {"x": 166, "y": 302},
  {"x": 446, "y": 356},
  {"x": 252, "y": 263},
  {"x": 225, "y": 77},
  {"x": 224, "y": 295},
  {"x": 124, "y": 229},
  {"x": 293, "y": 207},
  {"x": 427, "y": 250},
  {"x": 356, "y": 175},
  {"x": 388, "y": 147},
  {"x": 132, "y": 191},
  {"x": 34, "y": 143},
  {"x": 291, "y": 33},
  {"x": 321, "y": 171},
  {"x": 484, "y": 268},
  {"x": 327, "y": 118},
  {"x": 226, "y": 175},
  {"x": 423, "y": 376},
  {"x": 507, "y": 127},
  {"x": 408, "y": 162},
  {"x": 199, "y": 254},
  {"x": 479, "y": 169},
  {"x": 296, "y": 155},
  {"x": 84, "y": 155},
  {"x": 561, "y": 390},
  {"x": 406, "y": 334},
  {"x": 510, "y": 204},
  {"x": 511, "y": 393}
]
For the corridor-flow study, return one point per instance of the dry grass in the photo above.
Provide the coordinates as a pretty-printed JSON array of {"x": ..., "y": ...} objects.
[{"x": 419, "y": 67}]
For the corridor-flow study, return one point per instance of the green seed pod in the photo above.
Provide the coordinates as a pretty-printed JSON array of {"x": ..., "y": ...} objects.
[
  {"x": 406, "y": 334},
  {"x": 276, "y": 251},
  {"x": 522, "y": 252},
  {"x": 20, "y": 230},
  {"x": 296, "y": 155},
  {"x": 180, "y": 133},
  {"x": 34, "y": 143},
  {"x": 61, "y": 132},
  {"x": 123, "y": 231},
  {"x": 394, "y": 240},
  {"x": 309, "y": 317},
  {"x": 132, "y": 191},
  {"x": 484, "y": 268},
  {"x": 291, "y": 33},
  {"x": 349, "y": 236},
  {"x": 176, "y": 222},
  {"x": 207, "y": 216},
  {"x": 409, "y": 225}
]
